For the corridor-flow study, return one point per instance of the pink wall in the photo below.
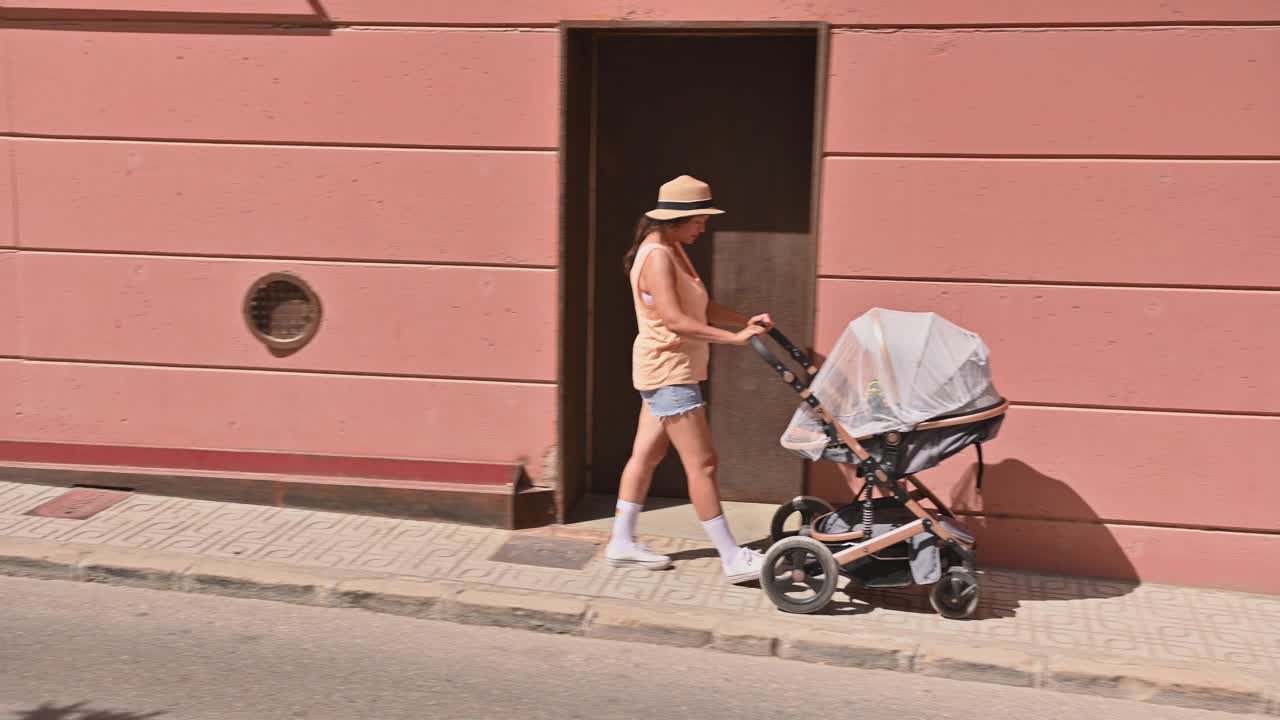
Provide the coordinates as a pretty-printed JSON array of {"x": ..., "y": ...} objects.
[
  {"x": 1123, "y": 466},
  {"x": 395, "y": 319},
  {"x": 1100, "y": 201},
  {"x": 1137, "y": 91},
  {"x": 986, "y": 218},
  {"x": 434, "y": 87},
  {"x": 283, "y": 411},
  {"x": 10, "y": 318},
  {"x": 1096, "y": 203},
  {"x": 10, "y": 401},
  {"x": 449, "y": 206},
  {"x": 8, "y": 237},
  {"x": 408, "y": 174},
  {"x": 1177, "y": 556},
  {"x": 1195, "y": 350}
]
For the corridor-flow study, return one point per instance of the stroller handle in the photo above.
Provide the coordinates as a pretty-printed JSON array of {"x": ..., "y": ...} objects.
[
  {"x": 789, "y": 377},
  {"x": 832, "y": 428},
  {"x": 801, "y": 385}
]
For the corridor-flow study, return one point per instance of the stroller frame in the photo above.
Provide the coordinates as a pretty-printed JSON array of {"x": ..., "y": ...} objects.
[{"x": 808, "y": 550}]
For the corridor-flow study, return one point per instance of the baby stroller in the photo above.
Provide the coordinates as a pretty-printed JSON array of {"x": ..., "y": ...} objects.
[{"x": 903, "y": 391}]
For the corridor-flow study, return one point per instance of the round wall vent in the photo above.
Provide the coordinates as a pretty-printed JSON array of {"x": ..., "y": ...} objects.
[{"x": 282, "y": 311}]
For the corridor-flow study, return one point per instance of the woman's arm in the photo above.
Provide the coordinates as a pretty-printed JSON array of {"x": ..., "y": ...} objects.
[
  {"x": 718, "y": 314},
  {"x": 658, "y": 277}
]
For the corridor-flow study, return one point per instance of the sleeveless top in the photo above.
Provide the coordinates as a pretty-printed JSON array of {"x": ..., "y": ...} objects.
[{"x": 659, "y": 357}]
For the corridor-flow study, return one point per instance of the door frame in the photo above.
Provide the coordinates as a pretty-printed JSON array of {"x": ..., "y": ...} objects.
[{"x": 576, "y": 184}]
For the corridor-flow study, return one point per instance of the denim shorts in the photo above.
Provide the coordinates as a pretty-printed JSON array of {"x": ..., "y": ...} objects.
[{"x": 673, "y": 400}]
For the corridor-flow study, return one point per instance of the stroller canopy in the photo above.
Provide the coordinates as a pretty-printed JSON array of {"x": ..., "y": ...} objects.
[{"x": 892, "y": 370}]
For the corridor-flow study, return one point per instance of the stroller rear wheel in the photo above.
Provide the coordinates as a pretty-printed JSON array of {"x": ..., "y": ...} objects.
[
  {"x": 800, "y": 575},
  {"x": 808, "y": 508},
  {"x": 955, "y": 595}
]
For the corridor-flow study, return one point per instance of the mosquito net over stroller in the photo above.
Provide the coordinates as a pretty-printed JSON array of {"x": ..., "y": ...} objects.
[{"x": 891, "y": 371}]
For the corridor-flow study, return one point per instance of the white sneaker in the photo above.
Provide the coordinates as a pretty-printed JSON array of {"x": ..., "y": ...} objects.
[
  {"x": 637, "y": 556},
  {"x": 744, "y": 568}
]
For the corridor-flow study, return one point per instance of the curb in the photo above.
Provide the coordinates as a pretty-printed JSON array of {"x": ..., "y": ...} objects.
[{"x": 615, "y": 620}]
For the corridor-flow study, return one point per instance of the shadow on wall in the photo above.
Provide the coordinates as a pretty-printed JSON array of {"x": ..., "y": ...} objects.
[{"x": 1030, "y": 521}]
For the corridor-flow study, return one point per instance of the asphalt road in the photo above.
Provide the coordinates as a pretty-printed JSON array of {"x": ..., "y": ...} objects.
[{"x": 78, "y": 651}]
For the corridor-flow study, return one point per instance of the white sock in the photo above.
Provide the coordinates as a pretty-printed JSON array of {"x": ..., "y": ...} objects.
[
  {"x": 624, "y": 525},
  {"x": 718, "y": 530}
]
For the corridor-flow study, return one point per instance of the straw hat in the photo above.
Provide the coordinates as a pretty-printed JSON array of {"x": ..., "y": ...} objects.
[{"x": 683, "y": 197}]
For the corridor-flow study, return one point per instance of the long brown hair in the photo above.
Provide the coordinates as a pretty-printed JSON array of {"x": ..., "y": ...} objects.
[{"x": 644, "y": 228}]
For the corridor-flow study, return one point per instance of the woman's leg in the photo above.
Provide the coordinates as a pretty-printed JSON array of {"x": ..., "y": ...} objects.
[
  {"x": 651, "y": 445},
  {"x": 691, "y": 436}
]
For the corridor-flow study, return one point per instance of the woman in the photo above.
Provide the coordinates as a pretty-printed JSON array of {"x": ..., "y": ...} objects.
[{"x": 668, "y": 362}]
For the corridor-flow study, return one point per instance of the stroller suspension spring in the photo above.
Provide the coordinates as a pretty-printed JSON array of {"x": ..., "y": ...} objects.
[{"x": 868, "y": 515}]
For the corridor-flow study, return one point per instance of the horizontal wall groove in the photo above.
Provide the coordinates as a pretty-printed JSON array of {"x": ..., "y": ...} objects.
[
  {"x": 179, "y": 22},
  {"x": 1071, "y": 157},
  {"x": 548, "y": 150},
  {"x": 289, "y": 258},
  {"x": 119, "y": 21},
  {"x": 1119, "y": 523},
  {"x": 1056, "y": 283},
  {"x": 485, "y": 27},
  {"x": 281, "y": 371},
  {"x": 1151, "y": 25}
]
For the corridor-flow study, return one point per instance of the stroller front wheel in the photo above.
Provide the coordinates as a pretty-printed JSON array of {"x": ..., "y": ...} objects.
[
  {"x": 799, "y": 575},
  {"x": 955, "y": 595},
  {"x": 807, "y": 506}
]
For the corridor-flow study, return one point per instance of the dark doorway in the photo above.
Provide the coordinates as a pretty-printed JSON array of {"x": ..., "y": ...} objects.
[{"x": 736, "y": 109}]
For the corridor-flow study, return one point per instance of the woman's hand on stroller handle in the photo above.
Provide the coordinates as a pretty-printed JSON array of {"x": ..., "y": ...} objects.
[
  {"x": 796, "y": 354},
  {"x": 749, "y": 332},
  {"x": 756, "y": 326}
]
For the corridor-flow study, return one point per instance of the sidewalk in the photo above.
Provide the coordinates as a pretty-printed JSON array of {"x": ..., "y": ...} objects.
[{"x": 1175, "y": 645}]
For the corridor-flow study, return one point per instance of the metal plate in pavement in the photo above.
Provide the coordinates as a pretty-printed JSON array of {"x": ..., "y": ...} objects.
[
  {"x": 78, "y": 504},
  {"x": 546, "y": 552}
]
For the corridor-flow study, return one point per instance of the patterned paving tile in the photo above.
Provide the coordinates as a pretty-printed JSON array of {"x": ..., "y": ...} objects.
[
  {"x": 638, "y": 585},
  {"x": 394, "y": 549},
  {"x": 343, "y": 544},
  {"x": 252, "y": 538},
  {"x": 300, "y": 540},
  {"x": 552, "y": 580},
  {"x": 16, "y": 499}
]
